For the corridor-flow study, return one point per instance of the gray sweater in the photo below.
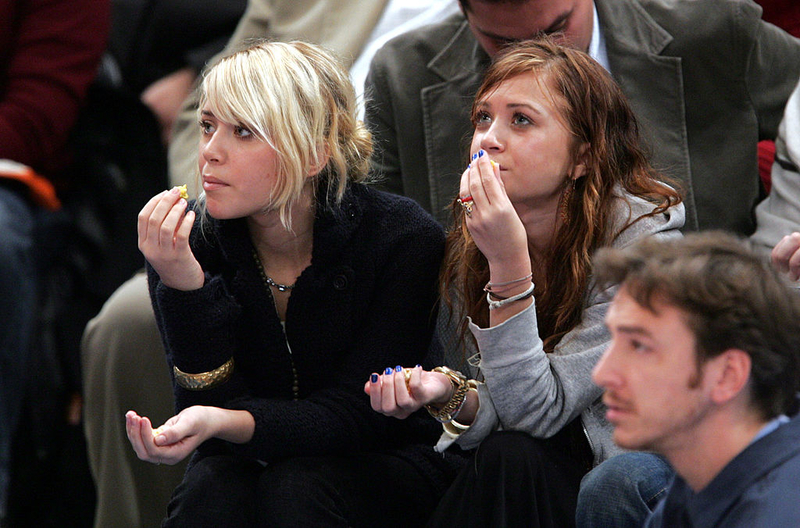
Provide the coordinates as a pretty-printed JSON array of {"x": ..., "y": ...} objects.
[{"x": 525, "y": 389}]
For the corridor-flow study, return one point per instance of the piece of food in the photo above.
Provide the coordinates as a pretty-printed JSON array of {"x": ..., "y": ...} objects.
[
  {"x": 184, "y": 192},
  {"x": 157, "y": 432}
]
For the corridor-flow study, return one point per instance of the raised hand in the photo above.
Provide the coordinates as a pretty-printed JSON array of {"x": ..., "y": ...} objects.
[
  {"x": 164, "y": 240},
  {"x": 786, "y": 255}
]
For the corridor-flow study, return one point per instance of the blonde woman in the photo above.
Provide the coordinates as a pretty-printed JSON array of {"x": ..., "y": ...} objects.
[
  {"x": 556, "y": 172},
  {"x": 275, "y": 294}
]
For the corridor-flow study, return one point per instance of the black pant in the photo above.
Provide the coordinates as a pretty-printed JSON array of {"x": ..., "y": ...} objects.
[
  {"x": 517, "y": 480},
  {"x": 367, "y": 489}
]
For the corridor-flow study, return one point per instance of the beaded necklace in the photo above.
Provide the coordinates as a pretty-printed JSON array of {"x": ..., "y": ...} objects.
[{"x": 281, "y": 288}]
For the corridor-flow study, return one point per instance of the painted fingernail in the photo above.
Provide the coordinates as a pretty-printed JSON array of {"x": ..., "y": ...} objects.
[
  {"x": 388, "y": 371},
  {"x": 419, "y": 366},
  {"x": 474, "y": 156},
  {"x": 469, "y": 166},
  {"x": 398, "y": 368},
  {"x": 374, "y": 378},
  {"x": 481, "y": 153}
]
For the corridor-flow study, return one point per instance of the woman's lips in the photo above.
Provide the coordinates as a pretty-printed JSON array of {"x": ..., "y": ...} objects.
[{"x": 211, "y": 184}]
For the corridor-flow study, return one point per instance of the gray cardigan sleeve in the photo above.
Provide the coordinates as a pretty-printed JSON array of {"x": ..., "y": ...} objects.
[
  {"x": 526, "y": 389},
  {"x": 779, "y": 214}
]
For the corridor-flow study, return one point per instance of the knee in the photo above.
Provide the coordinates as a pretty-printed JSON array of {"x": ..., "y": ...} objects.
[
  {"x": 508, "y": 449},
  {"x": 297, "y": 484},
  {"x": 644, "y": 475},
  {"x": 214, "y": 491},
  {"x": 124, "y": 330},
  {"x": 630, "y": 484}
]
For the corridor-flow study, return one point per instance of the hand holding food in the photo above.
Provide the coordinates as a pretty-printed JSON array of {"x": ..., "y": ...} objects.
[{"x": 164, "y": 227}]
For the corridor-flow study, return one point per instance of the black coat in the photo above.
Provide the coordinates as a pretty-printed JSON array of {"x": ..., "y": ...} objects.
[{"x": 366, "y": 302}]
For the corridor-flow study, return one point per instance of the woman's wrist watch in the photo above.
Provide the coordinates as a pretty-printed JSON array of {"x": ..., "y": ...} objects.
[{"x": 461, "y": 385}]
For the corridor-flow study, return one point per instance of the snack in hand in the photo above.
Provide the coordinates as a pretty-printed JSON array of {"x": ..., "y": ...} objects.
[{"x": 184, "y": 192}]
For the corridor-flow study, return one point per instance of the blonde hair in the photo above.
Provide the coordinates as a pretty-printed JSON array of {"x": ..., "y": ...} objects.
[{"x": 298, "y": 98}]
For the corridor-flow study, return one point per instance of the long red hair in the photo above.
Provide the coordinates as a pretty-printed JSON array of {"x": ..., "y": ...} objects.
[{"x": 607, "y": 142}]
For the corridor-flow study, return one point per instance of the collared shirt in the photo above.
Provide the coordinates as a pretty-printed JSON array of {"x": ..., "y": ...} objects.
[{"x": 597, "y": 46}]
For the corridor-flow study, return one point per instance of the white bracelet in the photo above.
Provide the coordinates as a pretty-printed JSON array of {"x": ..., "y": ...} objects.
[{"x": 494, "y": 305}]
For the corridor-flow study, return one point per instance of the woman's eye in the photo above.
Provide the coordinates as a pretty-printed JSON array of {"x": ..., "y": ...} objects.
[
  {"x": 206, "y": 127},
  {"x": 482, "y": 118},
  {"x": 521, "y": 119},
  {"x": 242, "y": 132}
]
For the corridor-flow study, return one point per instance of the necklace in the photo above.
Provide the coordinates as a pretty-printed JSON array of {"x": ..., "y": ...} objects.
[
  {"x": 283, "y": 288},
  {"x": 280, "y": 287}
]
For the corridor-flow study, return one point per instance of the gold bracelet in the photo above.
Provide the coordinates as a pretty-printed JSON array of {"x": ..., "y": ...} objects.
[
  {"x": 461, "y": 386},
  {"x": 204, "y": 380}
]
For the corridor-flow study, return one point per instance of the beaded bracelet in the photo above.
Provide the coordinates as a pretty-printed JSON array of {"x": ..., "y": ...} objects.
[{"x": 494, "y": 305}]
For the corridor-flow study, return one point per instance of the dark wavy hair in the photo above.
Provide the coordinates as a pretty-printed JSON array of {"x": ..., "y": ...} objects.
[
  {"x": 606, "y": 140},
  {"x": 732, "y": 299}
]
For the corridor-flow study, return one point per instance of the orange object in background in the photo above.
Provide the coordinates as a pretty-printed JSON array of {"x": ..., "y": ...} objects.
[{"x": 42, "y": 191}]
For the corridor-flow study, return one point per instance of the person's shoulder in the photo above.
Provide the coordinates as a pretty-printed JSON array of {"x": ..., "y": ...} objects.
[
  {"x": 421, "y": 44},
  {"x": 633, "y": 219},
  {"x": 696, "y": 8},
  {"x": 395, "y": 215},
  {"x": 701, "y": 17}
]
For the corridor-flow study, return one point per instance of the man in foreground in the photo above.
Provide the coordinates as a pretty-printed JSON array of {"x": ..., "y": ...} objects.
[{"x": 704, "y": 369}]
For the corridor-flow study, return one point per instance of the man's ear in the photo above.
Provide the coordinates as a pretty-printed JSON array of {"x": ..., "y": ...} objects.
[{"x": 731, "y": 374}]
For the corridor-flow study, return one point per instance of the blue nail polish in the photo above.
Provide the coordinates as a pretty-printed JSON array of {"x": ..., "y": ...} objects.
[
  {"x": 481, "y": 153},
  {"x": 418, "y": 365},
  {"x": 398, "y": 368},
  {"x": 469, "y": 166},
  {"x": 374, "y": 378},
  {"x": 474, "y": 156},
  {"x": 388, "y": 371}
]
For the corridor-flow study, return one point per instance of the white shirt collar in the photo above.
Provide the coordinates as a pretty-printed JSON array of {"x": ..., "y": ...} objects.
[{"x": 597, "y": 46}]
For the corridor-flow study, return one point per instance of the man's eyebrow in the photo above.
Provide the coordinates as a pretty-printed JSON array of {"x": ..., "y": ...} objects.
[
  {"x": 558, "y": 21},
  {"x": 633, "y": 329},
  {"x": 552, "y": 28}
]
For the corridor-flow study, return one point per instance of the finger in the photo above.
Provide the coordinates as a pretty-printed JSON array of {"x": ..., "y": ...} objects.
[
  {"x": 185, "y": 229},
  {"x": 783, "y": 251},
  {"x": 463, "y": 188},
  {"x": 794, "y": 265},
  {"x": 170, "y": 224},
  {"x": 388, "y": 403},
  {"x": 476, "y": 187},
  {"x": 490, "y": 183},
  {"x": 144, "y": 215},
  {"x": 375, "y": 396},
  {"x": 401, "y": 394},
  {"x": 133, "y": 428},
  {"x": 157, "y": 216}
]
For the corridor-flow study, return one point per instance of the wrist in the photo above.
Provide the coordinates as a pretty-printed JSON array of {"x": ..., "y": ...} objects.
[{"x": 461, "y": 385}]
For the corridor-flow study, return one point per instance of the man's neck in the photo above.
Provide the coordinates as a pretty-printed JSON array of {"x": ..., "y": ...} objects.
[{"x": 698, "y": 459}]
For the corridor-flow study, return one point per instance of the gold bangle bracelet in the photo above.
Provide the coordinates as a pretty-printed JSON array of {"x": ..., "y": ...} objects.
[
  {"x": 204, "y": 380},
  {"x": 461, "y": 386}
]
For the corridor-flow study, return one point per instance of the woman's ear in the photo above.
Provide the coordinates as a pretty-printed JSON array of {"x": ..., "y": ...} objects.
[
  {"x": 581, "y": 163},
  {"x": 323, "y": 156}
]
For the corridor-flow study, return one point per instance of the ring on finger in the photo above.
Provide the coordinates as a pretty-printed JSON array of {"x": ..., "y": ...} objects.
[
  {"x": 407, "y": 376},
  {"x": 467, "y": 203}
]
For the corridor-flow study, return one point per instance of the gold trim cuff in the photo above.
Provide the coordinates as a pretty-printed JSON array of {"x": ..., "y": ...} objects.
[{"x": 204, "y": 380}]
